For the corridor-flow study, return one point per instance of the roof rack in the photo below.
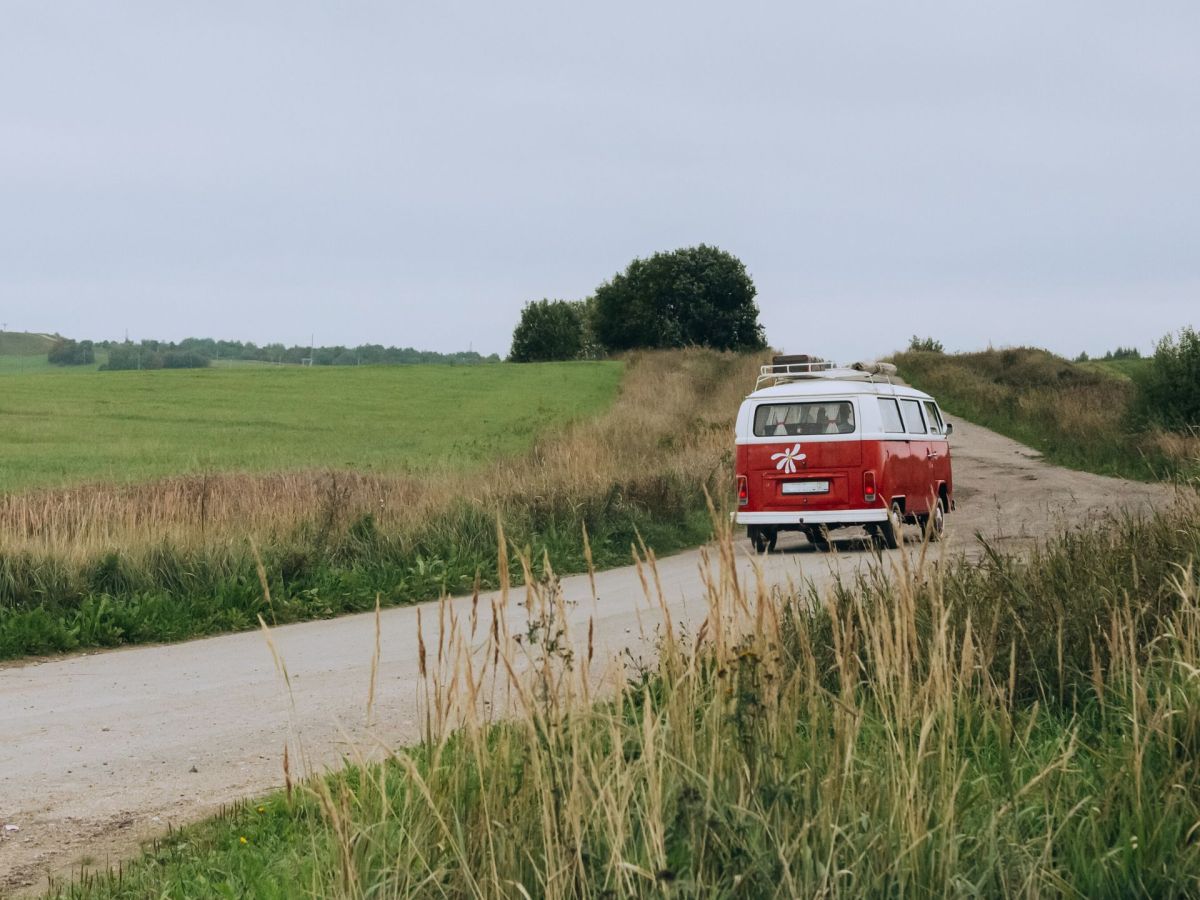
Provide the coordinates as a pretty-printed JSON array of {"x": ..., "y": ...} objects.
[{"x": 783, "y": 372}]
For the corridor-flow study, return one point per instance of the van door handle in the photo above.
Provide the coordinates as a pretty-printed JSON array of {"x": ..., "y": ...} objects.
[{"x": 930, "y": 454}]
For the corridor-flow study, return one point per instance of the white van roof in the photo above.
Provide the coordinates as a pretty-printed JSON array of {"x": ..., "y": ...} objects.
[{"x": 826, "y": 387}]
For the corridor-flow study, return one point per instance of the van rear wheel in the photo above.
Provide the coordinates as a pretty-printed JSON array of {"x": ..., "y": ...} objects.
[
  {"x": 819, "y": 538},
  {"x": 764, "y": 539},
  {"x": 935, "y": 522},
  {"x": 890, "y": 533}
]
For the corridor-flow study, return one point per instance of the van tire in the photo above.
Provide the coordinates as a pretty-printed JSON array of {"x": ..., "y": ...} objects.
[
  {"x": 819, "y": 538},
  {"x": 891, "y": 532},
  {"x": 934, "y": 524},
  {"x": 764, "y": 539}
]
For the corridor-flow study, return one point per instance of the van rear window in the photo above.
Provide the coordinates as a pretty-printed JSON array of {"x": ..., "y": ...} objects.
[{"x": 825, "y": 417}]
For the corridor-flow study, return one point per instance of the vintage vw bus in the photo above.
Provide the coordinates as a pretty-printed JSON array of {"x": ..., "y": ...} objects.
[{"x": 820, "y": 448}]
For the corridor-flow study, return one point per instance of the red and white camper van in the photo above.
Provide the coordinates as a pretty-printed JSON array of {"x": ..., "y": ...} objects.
[{"x": 821, "y": 447}]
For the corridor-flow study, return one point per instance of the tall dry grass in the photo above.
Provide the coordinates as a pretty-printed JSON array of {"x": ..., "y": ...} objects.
[
  {"x": 1180, "y": 447},
  {"x": 885, "y": 739},
  {"x": 873, "y": 742}
]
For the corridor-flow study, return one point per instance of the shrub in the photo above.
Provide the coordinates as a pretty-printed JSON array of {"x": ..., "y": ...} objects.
[
  {"x": 548, "y": 330},
  {"x": 185, "y": 359},
  {"x": 695, "y": 296},
  {"x": 925, "y": 345},
  {"x": 1169, "y": 389},
  {"x": 132, "y": 356},
  {"x": 66, "y": 352}
]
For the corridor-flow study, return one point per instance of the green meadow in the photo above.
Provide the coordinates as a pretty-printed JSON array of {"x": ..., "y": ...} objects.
[
  {"x": 70, "y": 426},
  {"x": 24, "y": 343},
  {"x": 1121, "y": 368},
  {"x": 399, "y": 477},
  {"x": 15, "y": 364}
]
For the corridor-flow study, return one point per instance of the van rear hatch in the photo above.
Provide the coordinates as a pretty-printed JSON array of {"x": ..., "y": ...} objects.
[{"x": 818, "y": 475}]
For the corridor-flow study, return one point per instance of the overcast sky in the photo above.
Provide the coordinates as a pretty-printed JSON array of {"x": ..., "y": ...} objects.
[{"x": 411, "y": 174}]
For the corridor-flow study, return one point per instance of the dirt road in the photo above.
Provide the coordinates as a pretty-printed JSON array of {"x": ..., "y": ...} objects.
[{"x": 100, "y": 751}]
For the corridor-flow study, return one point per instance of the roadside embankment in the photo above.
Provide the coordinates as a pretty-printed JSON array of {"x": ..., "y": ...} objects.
[{"x": 1080, "y": 416}]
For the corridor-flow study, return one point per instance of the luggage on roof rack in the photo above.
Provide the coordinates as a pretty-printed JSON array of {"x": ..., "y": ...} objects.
[
  {"x": 796, "y": 368},
  {"x": 874, "y": 368},
  {"x": 794, "y": 359}
]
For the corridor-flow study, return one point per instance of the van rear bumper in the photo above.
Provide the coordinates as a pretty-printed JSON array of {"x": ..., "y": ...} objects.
[{"x": 814, "y": 517}]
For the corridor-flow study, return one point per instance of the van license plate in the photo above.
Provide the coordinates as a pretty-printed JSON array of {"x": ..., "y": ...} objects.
[{"x": 806, "y": 487}]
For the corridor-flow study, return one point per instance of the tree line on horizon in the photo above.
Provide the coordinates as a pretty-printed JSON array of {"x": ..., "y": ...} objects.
[
  {"x": 196, "y": 353},
  {"x": 693, "y": 296}
]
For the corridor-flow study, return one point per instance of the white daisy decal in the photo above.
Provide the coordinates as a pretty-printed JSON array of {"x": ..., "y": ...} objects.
[{"x": 787, "y": 459}]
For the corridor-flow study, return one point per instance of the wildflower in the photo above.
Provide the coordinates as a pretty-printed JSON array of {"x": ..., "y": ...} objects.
[{"x": 243, "y": 840}]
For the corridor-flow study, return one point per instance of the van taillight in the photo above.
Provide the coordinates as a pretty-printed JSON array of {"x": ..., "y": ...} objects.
[
  {"x": 869, "y": 486},
  {"x": 743, "y": 491}
]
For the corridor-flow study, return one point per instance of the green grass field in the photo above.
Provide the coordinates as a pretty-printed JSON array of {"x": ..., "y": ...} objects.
[
  {"x": 453, "y": 451},
  {"x": 1121, "y": 368},
  {"x": 18, "y": 364},
  {"x": 22, "y": 343},
  {"x": 67, "y": 426}
]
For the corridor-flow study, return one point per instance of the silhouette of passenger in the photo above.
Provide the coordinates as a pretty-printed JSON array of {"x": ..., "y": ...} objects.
[{"x": 843, "y": 425}]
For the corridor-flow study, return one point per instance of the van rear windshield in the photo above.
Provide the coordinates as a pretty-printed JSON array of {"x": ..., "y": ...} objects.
[{"x": 824, "y": 417}]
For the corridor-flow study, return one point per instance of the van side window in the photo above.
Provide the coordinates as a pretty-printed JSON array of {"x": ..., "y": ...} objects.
[
  {"x": 934, "y": 418},
  {"x": 913, "y": 423},
  {"x": 891, "y": 416},
  {"x": 818, "y": 417}
]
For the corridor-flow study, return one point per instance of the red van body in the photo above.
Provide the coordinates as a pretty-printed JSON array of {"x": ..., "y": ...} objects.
[{"x": 836, "y": 448}]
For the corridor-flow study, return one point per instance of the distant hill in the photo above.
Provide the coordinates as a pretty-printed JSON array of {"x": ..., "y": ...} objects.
[{"x": 24, "y": 343}]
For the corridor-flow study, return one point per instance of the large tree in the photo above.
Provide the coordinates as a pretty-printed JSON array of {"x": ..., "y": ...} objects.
[
  {"x": 549, "y": 329},
  {"x": 695, "y": 295}
]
